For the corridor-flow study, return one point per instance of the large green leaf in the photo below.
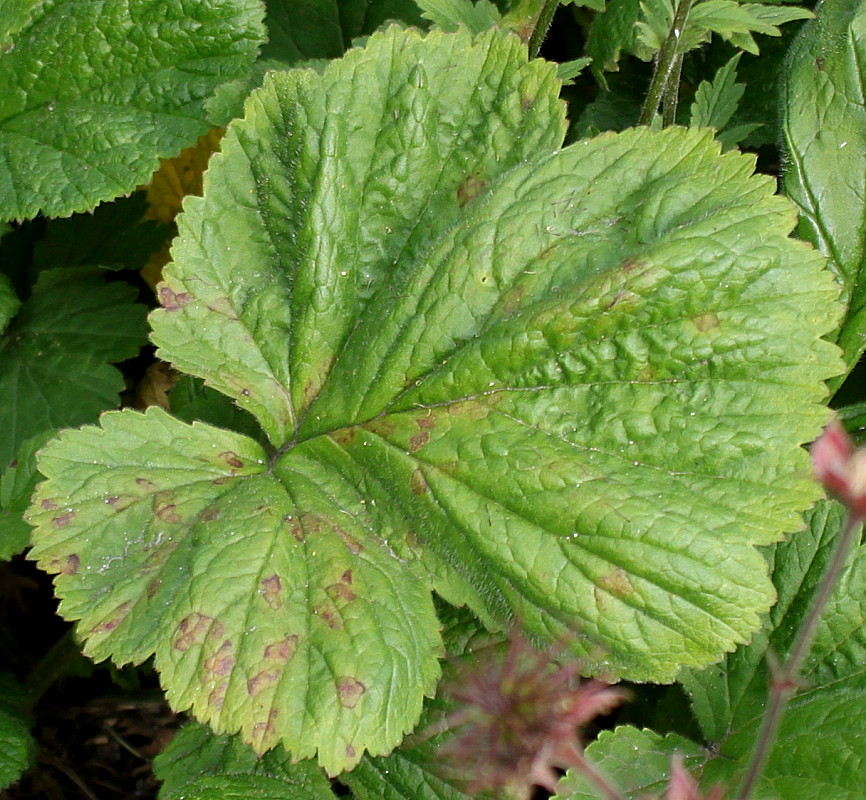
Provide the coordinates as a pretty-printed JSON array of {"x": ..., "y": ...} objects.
[
  {"x": 55, "y": 355},
  {"x": 825, "y": 137},
  {"x": 94, "y": 93},
  {"x": 569, "y": 386},
  {"x": 198, "y": 765}
]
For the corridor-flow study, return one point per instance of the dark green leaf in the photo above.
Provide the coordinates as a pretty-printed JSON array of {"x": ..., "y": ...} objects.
[
  {"x": 95, "y": 93},
  {"x": 17, "y": 483},
  {"x": 17, "y": 748},
  {"x": 197, "y": 764},
  {"x": 55, "y": 355}
]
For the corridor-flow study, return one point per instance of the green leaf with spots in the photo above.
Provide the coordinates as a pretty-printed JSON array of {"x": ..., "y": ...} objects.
[
  {"x": 198, "y": 765},
  {"x": 518, "y": 375},
  {"x": 56, "y": 354},
  {"x": 824, "y": 128},
  {"x": 94, "y": 94}
]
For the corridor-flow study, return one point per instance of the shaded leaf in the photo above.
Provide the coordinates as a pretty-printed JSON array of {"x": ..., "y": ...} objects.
[
  {"x": 55, "y": 354},
  {"x": 95, "y": 93},
  {"x": 197, "y": 764},
  {"x": 825, "y": 139},
  {"x": 9, "y": 302},
  {"x": 17, "y": 483},
  {"x": 475, "y": 15},
  {"x": 17, "y": 747}
]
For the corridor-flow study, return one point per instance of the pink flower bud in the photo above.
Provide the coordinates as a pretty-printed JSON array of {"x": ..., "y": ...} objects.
[{"x": 841, "y": 468}]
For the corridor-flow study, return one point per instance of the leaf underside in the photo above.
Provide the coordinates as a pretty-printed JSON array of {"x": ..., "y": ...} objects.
[{"x": 564, "y": 385}]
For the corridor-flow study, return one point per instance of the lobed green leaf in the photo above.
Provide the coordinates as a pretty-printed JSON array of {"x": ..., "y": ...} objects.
[{"x": 568, "y": 386}]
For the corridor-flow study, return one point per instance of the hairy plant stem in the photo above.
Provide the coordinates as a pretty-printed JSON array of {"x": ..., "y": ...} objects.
[
  {"x": 672, "y": 95},
  {"x": 783, "y": 679},
  {"x": 661, "y": 84},
  {"x": 542, "y": 25}
]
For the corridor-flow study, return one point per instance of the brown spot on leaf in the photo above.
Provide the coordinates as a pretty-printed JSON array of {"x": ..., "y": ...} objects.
[
  {"x": 67, "y": 565},
  {"x": 73, "y": 562},
  {"x": 271, "y": 591},
  {"x": 120, "y": 502},
  {"x": 164, "y": 507},
  {"x": 350, "y": 751},
  {"x": 340, "y": 593},
  {"x": 704, "y": 322},
  {"x": 262, "y": 680},
  {"x": 221, "y": 481},
  {"x": 471, "y": 409},
  {"x": 617, "y": 299},
  {"x": 62, "y": 520},
  {"x": 114, "y": 619},
  {"x": 527, "y": 103},
  {"x": 631, "y": 264},
  {"x": 210, "y": 514},
  {"x": 350, "y": 690},
  {"x": 153, "y": 588},
  {"x": 470, "y": 187},
  {"x": 232, "y": 459},
  {"x": 352, "y": 544},
  {"x": 616, "y": 582},
  {"x": 192, "y": 630},
  {"x": 426, "y": 423},
  {"x": 145, "y": 484},
  {"x": 512, "y": 300},
  {"x": 417, "y": 482},
  {"x": 158, "y": 557},
  {"x": 343, "y": 436},
  {"x": 383, "y": 427},
  {"x": 171, "y": 300},
  {"x": 418, "y": 441},
  {"x": 218, "y": 695},
  {"x": 49, "y": 505},
  {"x": 329, "y": 615},
  {"x": 264, "y": 731},
  {"x": 282, "y": 650},
  {"x": 222, "y": 661}
]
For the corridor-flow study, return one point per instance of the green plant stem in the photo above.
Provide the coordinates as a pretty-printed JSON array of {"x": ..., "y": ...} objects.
[
  {"x": 672, "y": 95},
  {"x": 783, "y": 681},
  {"x": 660, "y": 85},
  {"x": 542, "y": 25}
]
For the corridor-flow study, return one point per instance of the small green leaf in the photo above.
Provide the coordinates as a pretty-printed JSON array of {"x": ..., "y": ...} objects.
[
  {"x": 637, "y": 761},
  {"x": 715, "y": 102},
  {"x": 199, "y": 765},
  {"x": 55, "y": 355},
  {"x": 17, "y": 748},
  {"x": 824, "y": 124},
  {"x": 95, "y": 93},
  {"x": 475, "y": 15},
  {"x": 17, "y": 483},
  {"x": 612, "y": 31}
]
